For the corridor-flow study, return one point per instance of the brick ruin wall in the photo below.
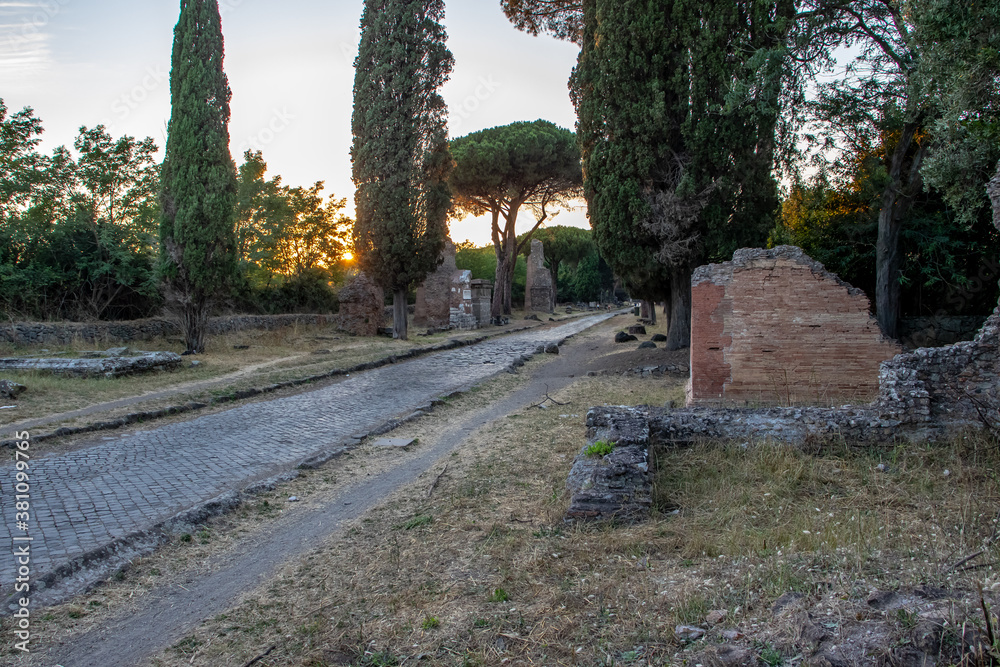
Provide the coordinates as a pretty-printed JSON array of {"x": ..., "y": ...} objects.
[
  {"x": 362, "y": 307},
  {"x": 773, "y": 326},
  {"x": 434, "y": 295},
  {"x": 926, "y": 395}
]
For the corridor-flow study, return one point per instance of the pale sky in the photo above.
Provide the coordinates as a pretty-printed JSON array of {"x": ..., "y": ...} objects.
[{"x": 290, "y": 66}]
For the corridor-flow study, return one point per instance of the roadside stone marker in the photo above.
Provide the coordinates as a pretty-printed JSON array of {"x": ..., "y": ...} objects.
[{"x": 540, "y": 293}]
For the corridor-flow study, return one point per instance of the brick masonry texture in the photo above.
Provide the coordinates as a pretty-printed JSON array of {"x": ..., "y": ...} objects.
[
  {"x": 773, "y": 326},
  {"x": 925, "y": 395},
  {"x": 67, "y": 333},
  {"x": 362, "y": 307},
  {"x": 109, "y": 488},
  {"x": 434, "y": 295}
]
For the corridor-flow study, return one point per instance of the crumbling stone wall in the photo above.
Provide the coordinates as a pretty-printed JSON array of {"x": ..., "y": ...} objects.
[
  {"x": 540, "y": 293},
  {"x": 957, "y": 385},
  {"x": 362, "y": 306},
  {"x": 462, "y": 315},
  {"x": 774, "y": 326},
  {"x": 925, "y": 395},
  {"x": 434, "y": 295}
]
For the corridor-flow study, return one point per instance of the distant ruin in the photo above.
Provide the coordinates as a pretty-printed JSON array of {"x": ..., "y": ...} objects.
[
  {"x": 470, "y": 301},
  {"x": 540, "y": 291},
  {"x": 362, "y": 306},
  {"x": 433, "y": 309}
]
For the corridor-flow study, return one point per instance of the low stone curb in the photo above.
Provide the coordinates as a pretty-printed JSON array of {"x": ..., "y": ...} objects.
[
  {"x": 94, "y": 567},
  {"x": 242, "y": 394}
]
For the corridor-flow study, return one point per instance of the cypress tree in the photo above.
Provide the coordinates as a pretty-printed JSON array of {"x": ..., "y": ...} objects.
[
  {"x": 198, "y": 183},
  {"x": 677, "y": 104},
  {"x": 400, "y": 154}
]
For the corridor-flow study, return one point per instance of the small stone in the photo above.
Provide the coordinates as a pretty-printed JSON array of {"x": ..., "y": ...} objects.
[
  {"x": 659, "y": 338},
  {"x": 946, "y": 472},
  {"x": 622, "y": 337},
  {"x": 688, "y": 633},
  {"x": 11, "y": 389},
  {"x": 395, "y": 443},
  {"x": 715, "y": 617},
  {"x": 552, "y": 349},
  {"x": 648, "y": 345},
  {"x": 731, "y": 635},
  {"x": 293, "y": 499},
  {"x": 195, "y": 363}
]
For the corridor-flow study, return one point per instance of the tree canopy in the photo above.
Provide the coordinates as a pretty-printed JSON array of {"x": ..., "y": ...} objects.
[
  {"x": 400, "y": 153},
  {"x": 560, "y": 18},
  {"x": 504, "y": 169}
]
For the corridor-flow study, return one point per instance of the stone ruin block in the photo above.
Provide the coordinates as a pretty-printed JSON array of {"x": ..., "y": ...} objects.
[
  {"x": 540, "y": 292},
  {"x": 926, "y": 395},
  {"x": 471, "y": 301},
  {"x": 461, "y": 313},
  {"x": 433, "y": 308},
  {"x": 615, "y": 486},
  {"x": 955, "y": 386},
  {"x": 111, "y": 366},
  {"x": 482, "y": 301},
  {"x": 774, "y": 326},
  {"x": 362, "y": 307}
]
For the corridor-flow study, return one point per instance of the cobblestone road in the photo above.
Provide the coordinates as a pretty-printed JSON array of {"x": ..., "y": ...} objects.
[{"x": 88, "y": 497}]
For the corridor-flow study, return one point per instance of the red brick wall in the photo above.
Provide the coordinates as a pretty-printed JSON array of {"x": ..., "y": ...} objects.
[{"x": 774, "y": 327}]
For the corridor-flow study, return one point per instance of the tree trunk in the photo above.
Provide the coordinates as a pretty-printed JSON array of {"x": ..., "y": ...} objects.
[
  {"x": 501, "y": 306},
  {"x": 644, "y": 310},
  {"x": 679, "y": 333},
  {"x": 400, "y": 317},
  {"x": 652, "y": 313},
  {"x": 993, "y": 190},
  {"x": 194, "y": 320},
  {"x": 896, "y": 201}
]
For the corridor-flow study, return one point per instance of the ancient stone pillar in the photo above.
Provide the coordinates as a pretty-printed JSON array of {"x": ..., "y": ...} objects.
[
  {"x": 362, "y": 306},
  {"x": 540, "y": 294},
  {"x": 434, "y": 295}
]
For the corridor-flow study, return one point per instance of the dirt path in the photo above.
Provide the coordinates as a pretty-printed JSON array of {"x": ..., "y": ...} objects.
[{"x": 168, "y": 615}]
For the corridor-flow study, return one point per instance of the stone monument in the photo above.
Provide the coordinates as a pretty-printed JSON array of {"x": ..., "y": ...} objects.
[
  {"x": 540, "y": 293},
  {"x": 362, "y": 306},
  {"x": 434, "y": 295}
]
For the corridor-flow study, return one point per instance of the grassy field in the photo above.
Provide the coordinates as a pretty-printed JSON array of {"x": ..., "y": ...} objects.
[{"x": 773, "y": 552}]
